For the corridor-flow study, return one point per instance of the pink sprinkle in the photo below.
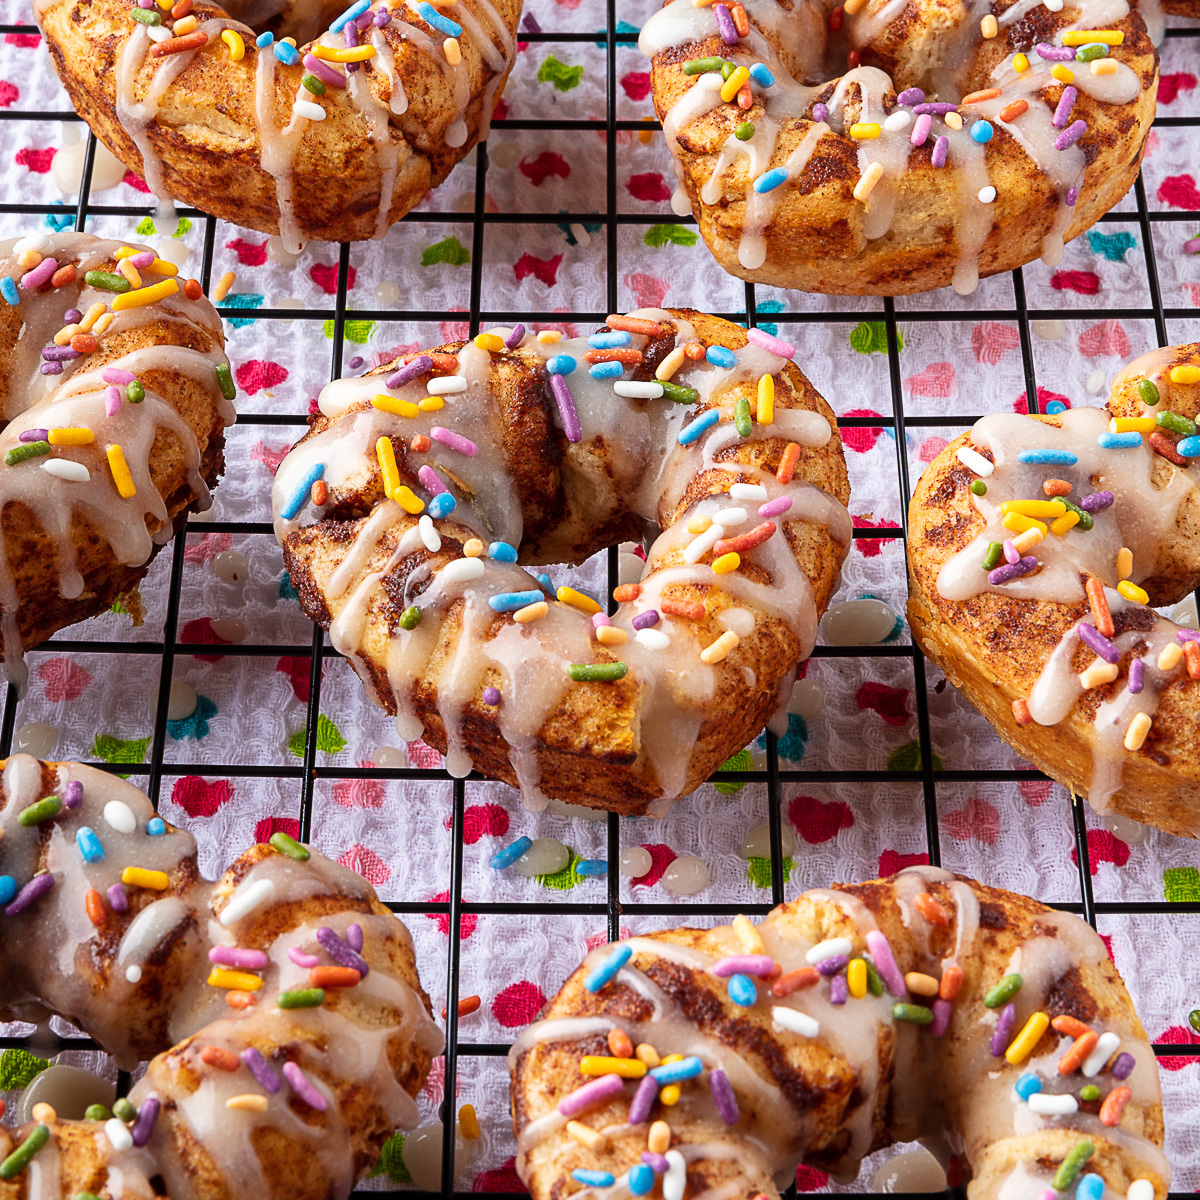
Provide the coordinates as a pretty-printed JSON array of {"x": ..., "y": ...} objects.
[
  {"x": 920, "y": 129},
  {"x": 1192, "y": 246},
  {"x": 761, "y": 338},
  {"x": 454, "y": 440},
  {"x": 773, "y": 508},
  {"x": 234, "y": 956},
  {"x": 112, "y": 401},
  {"x": 941, "y": 1017},
  {"x": 303, "y": 1088},
  {"x": 430, "y": 480},
  {"x": 600, "y": 619},
  {"x": 885, "y": 963},
  {"x": 117, "y": 376},
  {"x": 590, "y": 1095},
  {"x": 1011, "y": 553},
  {"x": 1048, "y": 1194},
  {"x": 144, "y": 259},
  {"x": 40, "y": 274},
  {"x": 743, "y": 964},
  {"x": 301, "y": 959}
]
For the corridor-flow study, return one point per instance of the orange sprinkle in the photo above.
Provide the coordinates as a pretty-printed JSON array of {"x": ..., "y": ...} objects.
[
  {"x": 1100, "y": 609},
  {"x": 63, "y": 276},
  {"x": 624, "y": 354},
  {"x": 745, "y": 97},
  {"x": 444, "y": 362},
  {"x": 746, "y": 541},
  {"x": 1191, "y": 654},
  {"x": 192, "y": 289},
  {"x": 223, "y": 1060},
  {"x": 1071, "y": 1026},
  {"x": 333, "y": 977},
  {"x": 633, "y": 325},
  {"x": 931, "y": 909},
  {"x": 619, "y": 1045},
  {"x": 1018, "y": 108},
  {"x": 320, "y": 492},
  {"x": 1164, "y": 446},
  {"x": 980, "y": 96},
  {"x": 1082, "y": 1046},
  {"x": 93, "y": 904},
  {"x": 420, "y": 443},
  {"x": 787, "y": 464},
  {"x": 466, "y": 1007},
  {"x": 627, "y": 592},
  {"x": 1114, "y": 1105},
  {"x": 689, "y": 610},
  {"x": 181, "y": 9},
  {"x": 740, "y": 23},
  {"x": 694, "y": 351},
  {"x": 1056, "y": 487},
  {"x": 793, "y": 981},
  {"x": 189, "y": 41},
  {"x": 1021, "y": 713},
  {"x": 951, "y": 984},
  {"x": 85, "y": 343},
  {"x": 236, "y": 999}
]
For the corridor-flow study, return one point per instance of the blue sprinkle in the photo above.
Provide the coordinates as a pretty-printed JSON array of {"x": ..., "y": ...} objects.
[
  {"x": 264, "y": 40},
  {"x": 561, "y": 364},
  {"x": 760, "y": 74},
  {"x": 742, "y": 991},
  {"x": 592, "y": 866},
  {"x": 620, "y": 955},
  {"x": 1059, "y": 458},
  {"x": 593, "y": 1178},
  {"x": 89, "y": 844},
  {"x": 502, "y": 552},
  {"x": 768, "y": 181},
  {"x": 641, "y": 1179},
  {"x": 504, "y": 602},
  {"x": 1189, "y": 447},
  {"x": 547, "y": 583},
  {"x": 286, "y": 53},
  {"x": 607, "y": 370},
  {"x": 301, "y": 494},
  {"x": 1090, "y": 1187},
  {"x": 8, "y": 888},
  {"x": 982, "y": 131},
  {"x": 509, "y": 855},
  {"x": 721, "y": 356},
  {"x": 431, "y": 16},
  {"x": 1027, "y": 1085},
  {"x": 355, "y": 11},
  {"x": 442, "y": 505},
  {"x": 705, "y": 421},
  {"x": 610, "y": 341},
  {"x": 1055, "y": 407},
  {"x": 156, "y": 827},
  {"x": 677, "y": 1072},
  {"x": 1122, "y": 441},
  {"x": 8, "y": 289}
]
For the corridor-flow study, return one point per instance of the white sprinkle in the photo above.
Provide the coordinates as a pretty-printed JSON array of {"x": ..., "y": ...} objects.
[
  {"x": 675, "y": 1180},
  {"x": 1054, "y": 5},
  {"x": 461, "y": 570},
  {"x": 159, "y": 33},
  {"x": 1140, "y": 1189},
  {"x": 748, "y": 491},
  {"x": 975, "y": 460},
  {"x": 702, "y": 543},
  {"x": 1106, "y": 1047},
  {"x": 64, "y": 468},
  {"x": 118, "y": 1134},
  {"x": 900, "y": 119},
  {"x": 652, "y": 639},
  {"x": 134, "y": 973},
  {"x": 829, "y": 948},
  {"x": 120, "y": 816},
  {"x": 729, "y": 517},
  {"x": 446, "y": 385},
  {"x": 1046, "y": 1105},
  {"x": 1095, "y": 381},
  {"x": 797, "y": 1022},
  {"x": 37, "y": 242},
  {"x": 246, "y": 899},
  {"x": 306, "y": 108},
  {"x": 987, "y": 195},
  {"x": 429, "y": 535},
  {"x": 638, "y": 391}
]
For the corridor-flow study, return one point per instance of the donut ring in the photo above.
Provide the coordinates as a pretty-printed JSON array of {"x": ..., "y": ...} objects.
[
  {"x": 779, "y": 1068},
  {"x": 285, "y": 1056},
  {"x": 1014, "y": 648},
  {"x": 109, "y": 442},
  {"x": 305, "y": 148},
  {"x": 835, "y": 189},
  {"x": 540, "y": 456}
]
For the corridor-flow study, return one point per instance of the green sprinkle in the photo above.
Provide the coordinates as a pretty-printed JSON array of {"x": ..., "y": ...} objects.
[
  {"x": 1089, "y": 1092},
  {"x": 698, "y": 66},
  {"x": 106, "y": 281},
  {"x": 916, "y": 1014},
  {"x": 43, "y": 810},
  {"x": 134, "y": 392},
  {"x": 993, "y": 556},
  {"x": 1070, "y": 1167},
  {"x": 741, "y": 417},
  {"x": 1194, "y": 1019},
  {"x": 1148, "y": 392},
  {"x": 1175, "y": 423},
  {"x": 1086, "y": 520},
  {"x": 745, "y": 131},
  {"x": 87, "y": 1196},
  {"x": 225, "y": 379},
  {"x": 26, "y": 450},
  {"x": 1002, "y": 993},
  {"x": 1087, "y": 53},
  {"x": 123, "y": 1110},
  {"x": 22, "y": 1156},
  {"x": 410, "y": 618},
  {"x": 301, "y": 998},
  {"x": 727, "y": 69},
  {"x": 874, "y": 979},
  {"x": 603, "y": 672},
  {"x": 679, "y": 393},
  {"x": 978, "y": 487},
  {"x": 314, "y": 85},
  {"x": 147, "y": 16},
  {"x": 287, "y": 845},
  {"x": 96, "y": 1112}
]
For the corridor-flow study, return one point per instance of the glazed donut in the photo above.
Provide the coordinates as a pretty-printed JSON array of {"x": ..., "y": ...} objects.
[
  {"x": 116, "y": 395},
  {"x": 1020, "y": 640},
  {"x": 334, "y": 140},
  {"x": 972, "y": 1018},
  {"x": 545, "y": 451},
  {"x": 993, "y": 152},
  {"x": 282, "y": 1002}
]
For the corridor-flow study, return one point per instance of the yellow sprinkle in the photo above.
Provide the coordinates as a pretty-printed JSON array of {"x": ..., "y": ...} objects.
[
  {"x": 585, "y": 1135},
  {"x": 165, "y": 5},
  {"x": 342, "y": 54},
  {"x": 1024, "y": 542},
  {"x": 1018, "y": 523},
  {"x": 130, "y": 272},
  {"x": 766, "y": 400},
  {"x": 670, "y": 1094},
  {"x": 856, "y": 978},
  {"x": 727, "y": 562},
  {"x": 864, "y": 131},
  {"x": 1034, "y": 508},
  {"x": 103, "y": 322},
  {"x": 185, "y": 25},
  {"x": 733, "y": 84},
  {"x": 1185, "y": 374},
  {"x": 548, "y": 337},
  {"x": 646, "y": 136},
  {"x": 160, "y": 266},
  {"x": 1063, "y": 524},
  {"x": 867, "y": 181},
  {"x": 720, "y": 648},
  {"x": 1135, "y": 735},
  {"x": 120, "y": 472},
  {"x": 531, "y": 612},
  {"x": 658, "y": 1141},
  {"x": 670, "y": 364},
  {"x": 488, "y": 341},
  {"x": 954, "y": 120},
  {"x": 237, "y": 48},
  {"x": 647, "y": 1052},
  {"x": 749, "y": 937},
  {"x": 1099, "y": 673},
  {"x": 670, "y": 1058},
  {"x": 1169, "y": 657},
  {"x": 387, "y": 465},
  {"x": 473, "y": 548},
  {"x": 921, "y": 984},
  {"x": 247, "y": 1102},
  {"x": 1103, "y": 66},
  {"x": 44, "y": 1113},
  {"x": 1023, "y": 1044},
  {"x": 452, "y": 51},
  {"x": 989, "y": 27},
  {"x": 146, "y": 295},
  {"x": 432, "y": 404},
  {"x": 1132, "y": 592},
  {"x": 1063, "y": 74},
  {"x": 223, "y": 285},
  {"x": 468, "y": 1122},
  {"x": 698, "y": 523},
  {"x": 92, "y": 315},
  {"x": 65, "y": 334},
  {"x": 576, "y": 599},
  {"x": 701, "y": 3},
  {"x": 1020, "y": 64},
  {"x": 393, "y": 404},
  {"x": 603, "y": 1064},
  {"x": 1084, "y": 37},
  {"x": 141, "y": 877},
  {"x": 1124, "y": 562},
  {"x": 852, "y": 6},
  {"x": 408, "y": 500},
  {"x": 1132, "y": 425},
  {"x": 610, "y": 635},
  {"x": 125, "y": 252},
  {"x": 224, "y": 977}
]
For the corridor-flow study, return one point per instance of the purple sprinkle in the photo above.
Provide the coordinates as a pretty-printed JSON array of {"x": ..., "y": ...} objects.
[
  {"x": 566, "y": 408},
  {"x": 410, "y": 371},
  {"x": 1055, "y": 53},
  {"x": 941, "y": 1017},
  {"x": 1091, "y": 636},
  {"x": 382, "y": 18},
  {"x": 645, "y": 619},
  {"x": 354, "y": 937},
  {"x": 723, "y": 1097},
  {"x": 365, "y": 21},
  {"x": 1187, "y": 635},
  {"x": 59, "y": 354},
  {"x": 514, "y": 339},
  {"x": 643, "y": 1099},
  {"x": 743, "y": 964},
  {"x": 118, "y": 376},
  {"x": 261, "y": 1070},
  {"x": 307, "y": 961},
  {"x": 1070, "y": 135},
  {"x": 1137, "y": 676},
  {"x": 53, "y": 368},
  {"x": 303, "y": 1088},
  {"x": 725, "y": 25},
  {"x": 491, "y": 695},
  {"x": 839, "y": 989},
  {"x": 656, "y": 1162},
  {"x": 73, "y": 794},
  {"x": 1072, "y": 196},
  {"x": 1011, "y": 553},
  {"x": 340, "y": 951},
  {"x": 39, "y": 885},
  {"x": 936, "y": 108},
  {"x": 34, "y": 435},
  {"x": 820, "y": 112},
  {"x": 324, "y": 72},
  {"x": 920, "y": 130},
  {"x": 235, "y": 956},
  {"x": 1123, "y": 1065},
  {"x": 355, "y": 362},
  {"x": 71, "y": 316},
  {"x": 885, "y": 963},
  {"x": 912, "y": 95},
  {"x": 118, "y": 898},
  {"x": 350, "y": 35},
  {"x": 1062, "y": 114},
  {"x": 1096, "y": 502},
  {"x": 1004, "y": 1028},
  {"x": 529, "y": 23},
  {"x": 940, "y": 149},
  {"x": 1011, "y": 571},
  {"x": 831, "y": 966},
  {"x": 144, "y": 1125}
]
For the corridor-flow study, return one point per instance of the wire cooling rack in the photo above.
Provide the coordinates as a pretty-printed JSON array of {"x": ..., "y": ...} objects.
[{"x": 299, "y": 784}]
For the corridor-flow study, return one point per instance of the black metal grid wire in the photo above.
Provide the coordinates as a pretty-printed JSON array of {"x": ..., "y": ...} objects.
[{"x": 309, "y": 771}]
